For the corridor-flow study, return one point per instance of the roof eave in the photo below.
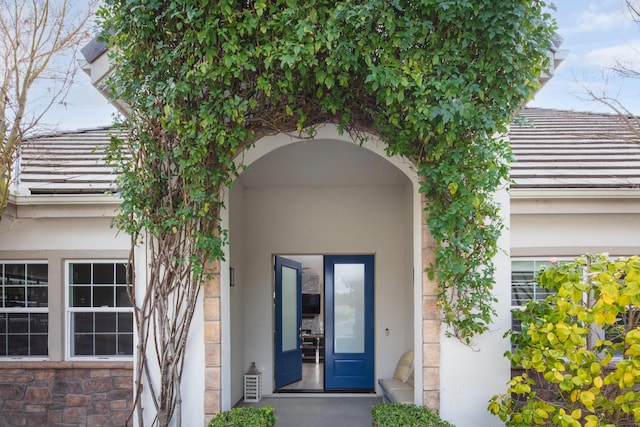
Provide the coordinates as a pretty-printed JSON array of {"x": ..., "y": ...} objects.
[{"x": 575, "y": 193}]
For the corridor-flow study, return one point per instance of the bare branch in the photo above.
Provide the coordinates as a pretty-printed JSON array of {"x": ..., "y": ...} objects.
[
  {"x": 631, "y": 120},
  {"x": 624, "y": 70},
  {"x": 38, "y": 44}
]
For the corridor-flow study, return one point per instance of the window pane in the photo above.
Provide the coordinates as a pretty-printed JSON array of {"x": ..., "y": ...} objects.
[
  {"x": 349, "y": 308},
  {"x": 289, "y": 309},
  {"x": 125, "y": 322},
  {"x": 14, "y": 296},
  {"x": 18, "y": 345},
  {"x": 80, "y": 296},
  {"x": 121, "y": 274},
  {"x": 105, "y": 322},
  {"x": 3, "y": 345},
  {"x": 522, "y": 266},
  {"x": 83, "y": 345},
  {"x": 18, "y": 323},
  {"x": 83, "y": 322},
  {"x": 122, "y": 297},
  {"x": 103, "y": 296},
  {"x": 125, "y": 344},
  {"x": 524, "y": 286},
  {"x": 37, "y": 296},
  {"x": 106, "y": 345},
  {"x": 16, "y": 274},
  {"x": 39, "y": 323},
  {"x": 103, "y": 274},
  {"x": 38, "y": 274},
  {"x": 80, "y": 274},
  {"x": 521, "y": 293},
  {"x": 38, "y": 345},
  {"x": 3, "y": 323}
]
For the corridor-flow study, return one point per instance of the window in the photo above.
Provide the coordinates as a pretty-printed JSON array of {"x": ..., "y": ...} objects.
[
  {"x": 24, "y": 312},
  {"x": 524, "y": 287},
  {"x": 100, "y": 313}
]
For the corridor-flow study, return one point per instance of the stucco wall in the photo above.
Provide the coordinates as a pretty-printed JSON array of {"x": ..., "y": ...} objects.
[
  {"x": 470, "y": 375},
  {"x": 570, "y": 227},
  {"x": 236, "y": 312},
  {"x": 56, "y": 234}
]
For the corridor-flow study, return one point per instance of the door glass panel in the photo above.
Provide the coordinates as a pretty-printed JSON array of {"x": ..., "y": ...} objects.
[
  {"x": 289, "y": 309},
  {"x": 349, "y": 308}
]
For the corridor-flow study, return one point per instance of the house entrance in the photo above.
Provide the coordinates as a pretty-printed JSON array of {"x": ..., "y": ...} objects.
[
  {"x": 319, "y": 197},
  {"x": 324, "y": 323}
]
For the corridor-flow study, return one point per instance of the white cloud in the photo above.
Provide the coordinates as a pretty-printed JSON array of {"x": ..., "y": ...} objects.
[
  {"x": 595, "y": 19},
  {"x": 627, "y": 54}
]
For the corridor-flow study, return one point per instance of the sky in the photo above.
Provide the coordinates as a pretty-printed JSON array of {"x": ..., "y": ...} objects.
[{"x": 595, "y": 34}]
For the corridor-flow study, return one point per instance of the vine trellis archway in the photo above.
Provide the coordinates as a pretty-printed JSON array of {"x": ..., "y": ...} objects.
[{"x": 434, "y": 80}]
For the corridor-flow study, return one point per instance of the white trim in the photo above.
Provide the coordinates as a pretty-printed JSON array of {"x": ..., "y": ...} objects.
[
  {"x": 225, "y": 316},
  {"x": 67, "y": 199},
  {"x": 545, "y": 193},
  {"x": 417, "y": 294}
]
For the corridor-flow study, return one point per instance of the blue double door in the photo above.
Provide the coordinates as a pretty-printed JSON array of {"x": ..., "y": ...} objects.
[{"x": 348, "y": 322}]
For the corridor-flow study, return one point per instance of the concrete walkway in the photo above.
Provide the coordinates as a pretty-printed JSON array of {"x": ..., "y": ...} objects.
[{"x": 333, "y": 411}]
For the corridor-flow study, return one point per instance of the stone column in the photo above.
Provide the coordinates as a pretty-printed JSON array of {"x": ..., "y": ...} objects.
[
  {"x": 212, "y": 342},
  {"x": 431, "y": 320}
]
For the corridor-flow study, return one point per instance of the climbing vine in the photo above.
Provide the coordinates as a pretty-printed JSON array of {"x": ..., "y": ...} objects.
[{"x": 436, "y": 80}]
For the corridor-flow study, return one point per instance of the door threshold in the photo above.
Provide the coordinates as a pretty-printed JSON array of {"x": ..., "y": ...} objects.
[{"x": 319, "y": 393}]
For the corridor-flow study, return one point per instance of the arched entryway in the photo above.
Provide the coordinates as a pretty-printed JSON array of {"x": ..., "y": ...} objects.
[{"x": 327, "y": 195}]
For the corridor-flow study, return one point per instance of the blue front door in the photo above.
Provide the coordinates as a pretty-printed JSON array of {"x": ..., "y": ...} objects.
[
  {"x": 349, "y": 322},
  {"x": 288, "y": 308}
]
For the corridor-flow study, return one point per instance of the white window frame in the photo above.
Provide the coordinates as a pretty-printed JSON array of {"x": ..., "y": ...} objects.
[
  {"x": 69, "y": 310},
  {"x": 26, "y": 310}
]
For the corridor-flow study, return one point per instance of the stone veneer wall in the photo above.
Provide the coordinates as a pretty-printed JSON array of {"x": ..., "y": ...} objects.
[
  {"x": 65, "y": 393},
  {"x": 430, "y": 322},
  {"x": 212, "y": 343}
]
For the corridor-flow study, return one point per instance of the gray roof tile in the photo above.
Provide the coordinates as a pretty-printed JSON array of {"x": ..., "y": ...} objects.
[
  {"x": 66, "y": 163},
  {"x": 553, "y": 150},
  {"x": 574, "y": 150}
]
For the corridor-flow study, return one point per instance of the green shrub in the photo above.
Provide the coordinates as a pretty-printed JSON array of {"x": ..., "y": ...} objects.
[
  {"x": 579, "y": 348},
  {"x": 245, "y": 417},
  {"x": 406, "y": 415}
]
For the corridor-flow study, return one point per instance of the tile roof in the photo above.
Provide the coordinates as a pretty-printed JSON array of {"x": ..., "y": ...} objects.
[
  {"x": 65, "y": 163},
  {"x": 553, "y": 150},
  {"x": 574, "y": 150}
]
